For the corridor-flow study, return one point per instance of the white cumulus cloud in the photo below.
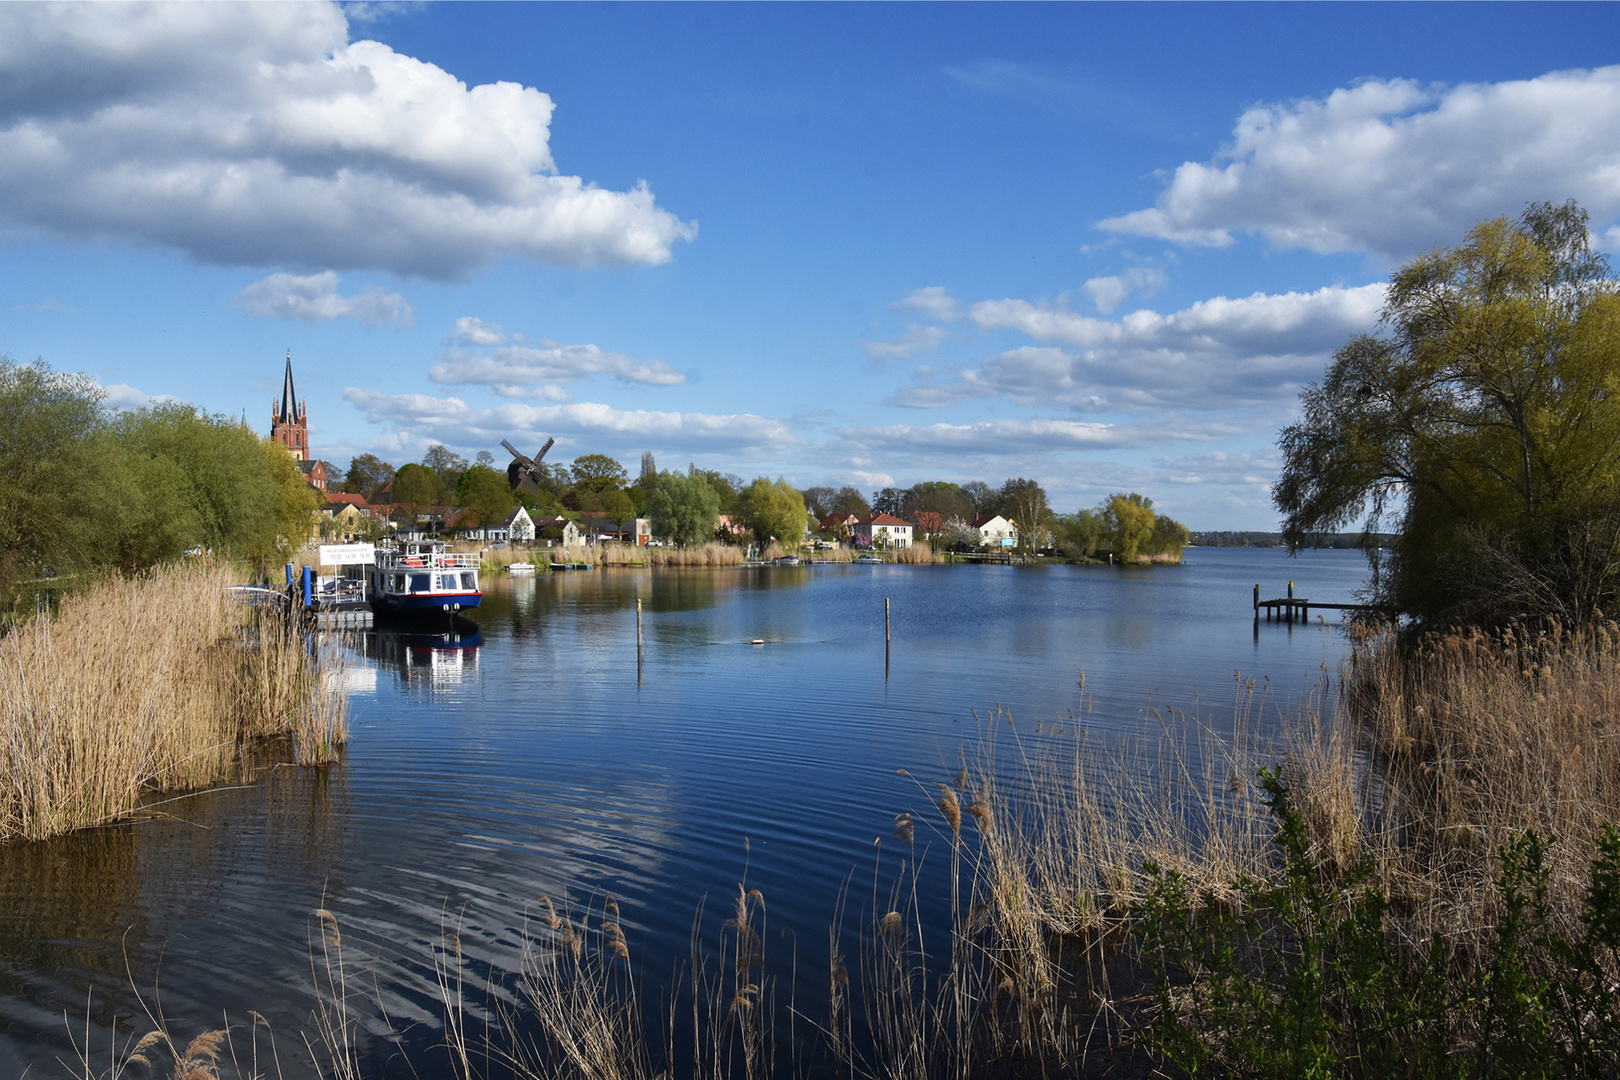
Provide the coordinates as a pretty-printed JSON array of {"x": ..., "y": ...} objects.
[
  {"x": 474, "y": 331},
  {"x": 1218, "y": 353},
  {"x": 454, "y": 422},
  {"x": 314, "y": 298},
  {"x": 1397, "y": 168},
  {"x": 255, "y": 134},
  {"x": 1110, "y": 291},
  {"x": 916, "y": 339},
  {"x": 506, "y": 365},
  {"x": 933, "y": 302}
]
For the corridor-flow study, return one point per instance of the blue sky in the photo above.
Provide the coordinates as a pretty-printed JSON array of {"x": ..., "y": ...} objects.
[{"x": 1102, "y": 246}]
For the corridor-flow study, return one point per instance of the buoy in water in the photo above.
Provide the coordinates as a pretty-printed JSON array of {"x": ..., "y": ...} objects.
[{"x": 757, "y": 641}]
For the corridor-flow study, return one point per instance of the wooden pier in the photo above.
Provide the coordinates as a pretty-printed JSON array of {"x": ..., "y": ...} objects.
[{"x": 1293, "y": 608}]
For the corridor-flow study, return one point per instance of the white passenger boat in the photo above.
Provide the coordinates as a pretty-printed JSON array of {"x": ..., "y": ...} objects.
[
  {"x": 520, "y": 568},
  {"x": 414, "y": 576}
]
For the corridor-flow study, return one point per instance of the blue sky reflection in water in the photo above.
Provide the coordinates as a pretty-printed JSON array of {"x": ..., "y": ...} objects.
[{"x": 479, "y": 779}]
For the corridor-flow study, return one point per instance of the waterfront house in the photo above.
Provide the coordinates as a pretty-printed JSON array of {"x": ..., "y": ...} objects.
[
  {"x": 882, "y": 531},
  {"x": 556, "y": 529},
  {"x": 994, "y": 531},
  {"x": 519, "y": 526}
]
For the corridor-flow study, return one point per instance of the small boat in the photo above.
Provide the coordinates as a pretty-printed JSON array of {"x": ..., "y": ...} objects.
[
  {"x": 786, "y": 560},
  {"x": 415, "y": 576},
  {"x": 520, "y": 568},
  {"x": 866, "y": 559}
]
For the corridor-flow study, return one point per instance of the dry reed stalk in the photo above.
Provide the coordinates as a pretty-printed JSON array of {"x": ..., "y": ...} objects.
[
  {"x": 150, "y": 684},
  {"x": 915, "y": 555},
  {"x": 1477, "y": 738}
]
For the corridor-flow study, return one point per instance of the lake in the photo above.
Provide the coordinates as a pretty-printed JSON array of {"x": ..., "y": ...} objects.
[{"x": 538, "y": 757}]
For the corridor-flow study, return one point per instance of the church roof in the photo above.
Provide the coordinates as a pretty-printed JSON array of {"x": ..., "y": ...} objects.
[{"x": 289, "y": 406}]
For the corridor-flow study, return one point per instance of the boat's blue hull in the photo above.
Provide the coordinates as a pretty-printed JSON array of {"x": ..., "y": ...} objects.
[{"x": 423, "y": 603}]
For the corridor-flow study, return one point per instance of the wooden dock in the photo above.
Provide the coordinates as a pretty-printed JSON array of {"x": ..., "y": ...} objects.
[{"x": 1293, "y": 608}]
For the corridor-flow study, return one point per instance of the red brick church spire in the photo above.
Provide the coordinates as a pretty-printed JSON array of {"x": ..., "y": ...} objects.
[{"x": 289, "y": 419}]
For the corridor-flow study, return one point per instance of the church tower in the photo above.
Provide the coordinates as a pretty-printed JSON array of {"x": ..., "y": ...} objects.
[{"x": 289, "y": 420}]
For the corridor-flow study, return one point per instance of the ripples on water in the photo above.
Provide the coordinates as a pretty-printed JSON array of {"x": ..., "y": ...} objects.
[{"x": 529, "y": 759}]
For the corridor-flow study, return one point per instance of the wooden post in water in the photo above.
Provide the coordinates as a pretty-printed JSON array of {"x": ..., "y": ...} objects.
[
  {"x": 1290, "y": 601},
  {"x": 638, "y": 639},
  {"x": 1257, "y": 600},
  {"x": 885, "y": 639}
]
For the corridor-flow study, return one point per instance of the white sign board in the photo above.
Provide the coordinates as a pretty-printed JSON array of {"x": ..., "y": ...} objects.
[
  {"x": 1006, "y": 541},
  {"x": 347, "y": 554}
]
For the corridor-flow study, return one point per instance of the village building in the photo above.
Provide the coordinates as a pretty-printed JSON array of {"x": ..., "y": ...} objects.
[
  {"x": 882, "y": 531},
  {"x": 995, "y": 531},
  {"x": 557, "y": 530},
  {"x": 314, "y": 471}
]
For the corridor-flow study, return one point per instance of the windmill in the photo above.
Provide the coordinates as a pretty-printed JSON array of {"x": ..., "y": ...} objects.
[{"x": 524, "y": 473}]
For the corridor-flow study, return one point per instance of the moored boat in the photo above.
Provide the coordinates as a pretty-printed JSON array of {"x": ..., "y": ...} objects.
[{"x": 414, "y": 576}]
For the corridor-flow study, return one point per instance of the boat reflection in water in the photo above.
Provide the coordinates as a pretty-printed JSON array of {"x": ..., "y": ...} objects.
[{"x": 430, "y": 659}]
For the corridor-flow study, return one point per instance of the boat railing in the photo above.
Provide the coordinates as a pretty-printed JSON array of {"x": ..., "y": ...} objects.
[{"x": 429, "y": 560}]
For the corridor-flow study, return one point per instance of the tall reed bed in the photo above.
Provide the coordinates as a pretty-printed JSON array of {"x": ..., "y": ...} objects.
[{"x": 157, "y": 683}]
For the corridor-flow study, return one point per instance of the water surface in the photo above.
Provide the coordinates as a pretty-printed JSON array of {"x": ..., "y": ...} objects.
[{"x": 539, "y": 757}]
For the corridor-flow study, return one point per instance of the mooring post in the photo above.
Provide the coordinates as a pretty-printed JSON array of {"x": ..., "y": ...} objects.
[
  {"x": 638, "y": 640},
  {"x": 309, "y": 587},
  {"x": 1257, "y": 599},
  {"x": 1290, "y": 601},
  {"x": 885, "y": 622}
]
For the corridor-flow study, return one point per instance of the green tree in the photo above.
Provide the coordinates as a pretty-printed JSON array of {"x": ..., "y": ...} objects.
[
  {"x": 597, "y": 473},
  {"x": 940, "y": 497},
  {"x": 683, "y": 509},
  {"x": 47, "y": 470},
  {"x": 850, "y": 501},
  {"x": 418, "y": 485},
  {"x": 485, "y": 494},
  {"x": 1484, "y": 421},
  {"x": 447, "y": 465},
  {"x": 1129, "y": 520},
  {"x": 201, "y": 479},
  {"x": 614, "y": 504},
  {"x": 773, "y": 509},
  {"x": 366, "y": 476},
  {"x": 1081, "y": 535},
  {"x": 726, "y": 485}
]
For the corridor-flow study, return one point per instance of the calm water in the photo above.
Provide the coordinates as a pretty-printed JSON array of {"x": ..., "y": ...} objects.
[{"x": 531, "y": 759}]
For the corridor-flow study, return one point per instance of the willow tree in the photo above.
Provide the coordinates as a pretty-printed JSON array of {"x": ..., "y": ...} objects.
[{"x": 1482, "y": 425}]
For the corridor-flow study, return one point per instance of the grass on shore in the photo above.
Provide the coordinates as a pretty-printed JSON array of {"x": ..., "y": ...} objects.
[{"x": 150, "y": 684}]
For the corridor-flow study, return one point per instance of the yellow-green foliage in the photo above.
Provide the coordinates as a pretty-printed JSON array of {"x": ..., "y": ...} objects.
[{"x": 1486, "y": 419}]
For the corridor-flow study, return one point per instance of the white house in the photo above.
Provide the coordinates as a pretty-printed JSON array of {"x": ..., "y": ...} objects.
[
  {"x": 882, "y": 530},
  {"x": 519, "y": 526},
  {"x": 995, "y": 531}
]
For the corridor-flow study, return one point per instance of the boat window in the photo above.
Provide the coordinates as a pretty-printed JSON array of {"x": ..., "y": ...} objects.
[
  {"x": 469, "y": 580},
  {"x": 421, "y": 582},
  {"x": 399, "y": 582},
  {"x": 447, "y": 581}
]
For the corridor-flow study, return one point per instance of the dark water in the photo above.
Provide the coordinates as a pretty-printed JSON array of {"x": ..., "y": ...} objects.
[{"x": 534, "y": 759}]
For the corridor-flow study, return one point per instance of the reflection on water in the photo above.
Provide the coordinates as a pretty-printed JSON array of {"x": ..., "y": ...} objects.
[
  {"x": 424, "y": 658},
  {"x": 524, "y": 757}
]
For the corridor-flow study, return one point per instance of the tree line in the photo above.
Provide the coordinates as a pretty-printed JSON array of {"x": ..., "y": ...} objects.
[
  {"x": 684, "y": 507},
  {"x": 84, "y": 489}
]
